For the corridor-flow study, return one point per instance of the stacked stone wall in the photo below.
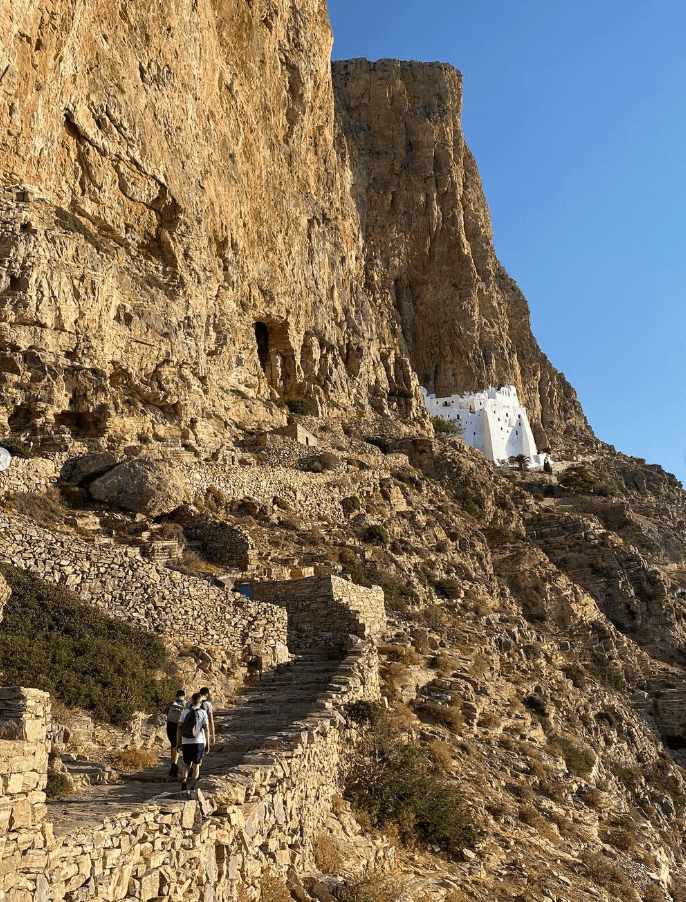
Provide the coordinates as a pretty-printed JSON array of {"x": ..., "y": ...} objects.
[
  {"x": 265, "y": 813},
  {"x": 118, "y": 580},
  {"x": 33, "y": 475},
  {"x": 326, "y": 609},
  {"x": 224, "y": 544},
  {"x": 24, "y": 747}
]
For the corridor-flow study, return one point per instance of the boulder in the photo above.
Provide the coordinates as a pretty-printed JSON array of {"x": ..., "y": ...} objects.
[
  {"x": 143, "y": 486},
  {"x": 84, "y": 469}
]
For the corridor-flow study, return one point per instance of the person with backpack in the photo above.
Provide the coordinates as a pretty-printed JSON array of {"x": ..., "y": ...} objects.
[
  {"x": 206, "y": 705},
  {"x": 193, "y": 739},
  {"x": 173, "y": 712}
]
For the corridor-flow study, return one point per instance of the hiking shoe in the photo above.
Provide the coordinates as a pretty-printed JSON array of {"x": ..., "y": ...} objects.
[{"x": 184, "y": 785}]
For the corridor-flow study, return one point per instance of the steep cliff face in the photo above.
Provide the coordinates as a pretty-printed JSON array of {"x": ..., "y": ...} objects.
[
  {"x": 189, "y": 236},
  {"x": 428, "y": 240},
  {"x": 179, "y": 245}
]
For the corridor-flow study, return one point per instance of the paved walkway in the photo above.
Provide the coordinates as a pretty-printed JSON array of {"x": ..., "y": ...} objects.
[{"x": 264, "y": 709}]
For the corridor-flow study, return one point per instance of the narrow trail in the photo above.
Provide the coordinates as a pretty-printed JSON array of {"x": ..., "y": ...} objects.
[{"x": 262, "y": 710}]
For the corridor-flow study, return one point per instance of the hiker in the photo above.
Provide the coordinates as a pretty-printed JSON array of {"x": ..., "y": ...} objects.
[
  {"x": 193, "y": 740},
  {"x": 173, "y": 712},
  {"x": 206, "y": 705}
]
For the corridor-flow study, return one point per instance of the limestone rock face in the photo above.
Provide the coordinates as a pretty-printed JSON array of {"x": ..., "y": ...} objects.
[
  {"x": 179, "y": 246},
  {"x": 428, "y": 240},
  {"x": 144, "y": 486},
  {"x": 192, "y": 229}
]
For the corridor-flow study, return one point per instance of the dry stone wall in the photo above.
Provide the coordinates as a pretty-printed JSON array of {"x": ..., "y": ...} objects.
[
  {"x": 34, "y": 475},
  {"x": 326, "y": 609},
  {"x": 116, "y": 579},
  {"x": 24, "y": 747},
  {"x": 265, "y": 813}
]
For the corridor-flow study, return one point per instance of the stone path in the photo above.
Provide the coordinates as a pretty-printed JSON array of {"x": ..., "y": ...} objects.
[{"x": 281, "y": 699}]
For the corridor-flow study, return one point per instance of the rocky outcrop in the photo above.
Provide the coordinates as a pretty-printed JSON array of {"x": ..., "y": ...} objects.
[
  {"x": 428, "y": 240},
  {"x": 145, "y": 486}
]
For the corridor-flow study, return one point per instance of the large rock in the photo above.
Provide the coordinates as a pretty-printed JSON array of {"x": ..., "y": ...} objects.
[
  {"x": 144, "y": 486},
  {"x": 88, "y": 467}
]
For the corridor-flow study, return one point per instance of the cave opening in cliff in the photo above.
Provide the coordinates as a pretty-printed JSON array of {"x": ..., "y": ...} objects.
[
  {"x": 20, "y": 418},
  {"x": 262, "y": 339},
  {"x": 84, "y": 423}
]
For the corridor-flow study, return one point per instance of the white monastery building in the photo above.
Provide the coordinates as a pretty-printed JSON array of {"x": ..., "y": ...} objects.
[{"x": 492, "y": 421}]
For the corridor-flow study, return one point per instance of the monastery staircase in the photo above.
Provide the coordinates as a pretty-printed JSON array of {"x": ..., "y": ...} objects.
[{"x": 264, "y": 715}]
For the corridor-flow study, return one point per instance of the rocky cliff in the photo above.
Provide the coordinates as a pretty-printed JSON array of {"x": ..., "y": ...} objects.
[
  {"x": 179, "y": 245},
  {"x": 428, "y": 241},
  {"x": 193, "y": 232}
]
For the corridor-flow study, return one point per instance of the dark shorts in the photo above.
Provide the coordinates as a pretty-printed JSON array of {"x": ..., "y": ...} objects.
[
  {"x": 172, "y": 730},
  {"x": 192, "y": 752}
]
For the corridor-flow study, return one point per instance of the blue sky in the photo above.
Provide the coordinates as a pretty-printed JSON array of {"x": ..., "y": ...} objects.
[{"x": 576, "y": 113}]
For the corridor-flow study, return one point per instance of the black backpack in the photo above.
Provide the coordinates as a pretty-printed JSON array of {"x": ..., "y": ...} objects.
[{"x": 191, "y": 725}]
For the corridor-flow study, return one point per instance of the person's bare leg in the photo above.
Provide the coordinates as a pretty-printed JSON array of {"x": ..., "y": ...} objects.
[{"x": 195, "y": 774}]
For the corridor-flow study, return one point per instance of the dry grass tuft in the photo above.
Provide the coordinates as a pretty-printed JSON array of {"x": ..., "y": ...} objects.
[
  {"x": 450, "y": 717},
  {"x": 455, "y": 895},
  {"x": 44, "y": 508},
  {"x": 440, "y": 753},
  {"x": 608, "y": 875},
  {"x": 374, "y": 888},
  {"x": 403, "y": 654},
  {"x": 134, "y": 759},
  {"x": 445, "y": 664},
  {"x": 273, "y": 889},
  {"x": 327, "y": 857},
  {"x": 528, "y": 815},
  {"x": 653, "y": 893}
]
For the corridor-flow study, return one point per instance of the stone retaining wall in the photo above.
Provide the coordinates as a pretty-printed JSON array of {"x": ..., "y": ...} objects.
[
  {"x": 33, "y": 475},
  {"x": 326, "y": 607},
  {"x": 266, "y": 813},
  {"x": 226, "y": 545},
  {"x": 118, "y": 580},
  {"x": 24, "y": 747}
]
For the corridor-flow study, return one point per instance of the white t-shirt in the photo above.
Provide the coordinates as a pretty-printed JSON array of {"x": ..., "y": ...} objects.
[{"x": 201, "y": 738}]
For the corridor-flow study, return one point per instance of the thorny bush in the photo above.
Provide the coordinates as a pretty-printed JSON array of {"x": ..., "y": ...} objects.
[{"x": 396, "y": 783}]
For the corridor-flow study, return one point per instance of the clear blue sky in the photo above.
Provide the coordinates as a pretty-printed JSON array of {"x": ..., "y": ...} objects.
[{"x": 576, "y": 113}]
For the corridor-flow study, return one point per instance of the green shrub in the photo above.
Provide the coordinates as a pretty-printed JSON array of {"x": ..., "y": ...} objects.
[
  {"x": 396, "y": 783},
  {"x": 51, "y": 640},
  {"x": 58, "y": 785},
  {"x": 580, "y": 479},
  {"x": 74, "y": 224},
  {"x": 324, "y": 343},
  {"x": 16, "y": 448},
  {"x": 448, "y": 588},
  {"x": 302, "y": 406},
  {"x": 364, "y": 711},
  {"x": 350, "y": 504},
  {"x": 469, "y": 507},
  {"x": 376, "y": 534},
  {"x": 443, "y": 427},
  {"x": 579, "y": 761},
  {"x": 396, "y": 594}
]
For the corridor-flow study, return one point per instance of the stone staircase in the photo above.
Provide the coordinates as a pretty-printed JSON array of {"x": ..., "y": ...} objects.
[
  {"x": 267, "y": 711},
  {"x": 266, "y": 714}
]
